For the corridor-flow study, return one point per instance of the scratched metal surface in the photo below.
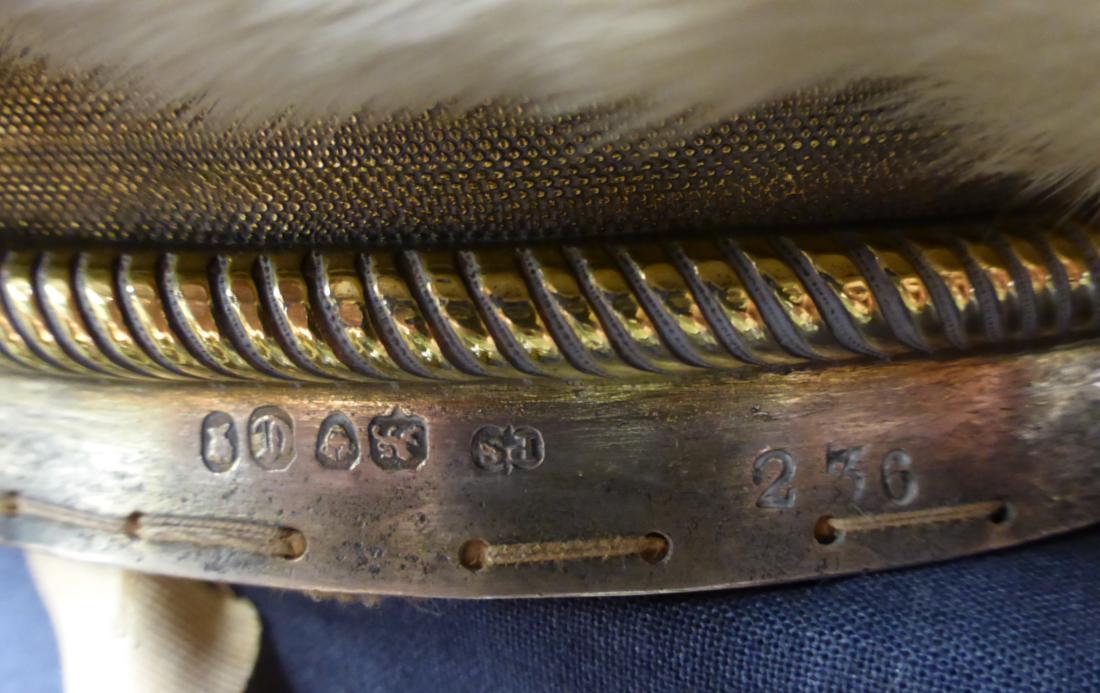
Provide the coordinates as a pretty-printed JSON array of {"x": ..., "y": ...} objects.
[
  {"x": 340, "y": 355},
  {"x": 955, "y": 457}
]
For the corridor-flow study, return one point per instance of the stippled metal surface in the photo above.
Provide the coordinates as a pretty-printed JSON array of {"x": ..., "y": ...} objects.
[{"x": 85, "y": 159}]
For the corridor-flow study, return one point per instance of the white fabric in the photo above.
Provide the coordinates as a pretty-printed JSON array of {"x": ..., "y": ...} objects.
[{"x": 124, "y": 632}]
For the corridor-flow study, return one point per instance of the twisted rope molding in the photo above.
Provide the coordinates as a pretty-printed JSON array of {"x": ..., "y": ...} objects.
[{"x": 544, "y": 311}]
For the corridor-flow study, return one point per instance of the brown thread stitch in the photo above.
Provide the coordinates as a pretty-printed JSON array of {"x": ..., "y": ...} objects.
[
  {"x": 478, "y": 554},
  {"x": 829, "y": 529},
  {"x": 266, "y": 540}
]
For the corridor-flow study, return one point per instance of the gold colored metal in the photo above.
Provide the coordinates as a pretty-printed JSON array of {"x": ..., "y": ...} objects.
[
  {"x": 90, "y": 159},
  {"x": 496, "y": 488},
  {"x": 432, "y": 353},
  {"x": 574, "y": 312},
  {"x": 552, "y": 420}
]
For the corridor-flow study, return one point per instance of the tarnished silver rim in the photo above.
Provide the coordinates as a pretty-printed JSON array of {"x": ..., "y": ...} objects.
[{"x": 566, "y": 489}]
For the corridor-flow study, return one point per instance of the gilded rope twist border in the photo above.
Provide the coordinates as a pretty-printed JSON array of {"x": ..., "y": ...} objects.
[{"x": 617, "y": 310}]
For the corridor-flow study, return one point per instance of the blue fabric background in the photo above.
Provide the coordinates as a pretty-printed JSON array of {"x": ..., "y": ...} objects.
[
  {"x": 28, "y": 656},
  {"x": 1026, "y": 619}
]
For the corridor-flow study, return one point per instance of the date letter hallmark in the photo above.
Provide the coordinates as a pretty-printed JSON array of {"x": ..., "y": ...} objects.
[
  {"x": 497, "y": 449},
  {"x": 398, "y": 440},
  {"x": 219, "y": 441},
  {"x": 338, "y": 443},
  {"x": 271, "y": 438}
]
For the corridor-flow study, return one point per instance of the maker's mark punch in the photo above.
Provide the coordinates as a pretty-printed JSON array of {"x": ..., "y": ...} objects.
[{"x": 497, "y": 449}]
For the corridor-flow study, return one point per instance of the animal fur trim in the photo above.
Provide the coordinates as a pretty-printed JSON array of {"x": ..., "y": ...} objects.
[{"x": 1018, "y": 77}]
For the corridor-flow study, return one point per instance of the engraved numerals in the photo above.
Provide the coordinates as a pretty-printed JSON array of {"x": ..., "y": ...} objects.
[
  {"x": 845, "y": 463},
  {"x": 778, "y": 493},
  {"x": 774, "y": 470},
  {"x": 898, "y": 481}
]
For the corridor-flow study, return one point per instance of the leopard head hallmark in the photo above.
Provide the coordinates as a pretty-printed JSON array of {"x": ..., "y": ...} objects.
[
  {"x": 497, "y": 449},
  {"x": 398, "y": 440}
]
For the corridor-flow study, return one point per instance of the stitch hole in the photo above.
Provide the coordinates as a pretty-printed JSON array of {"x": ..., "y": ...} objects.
[
  {"x": 825, "y": 533},
  {"x": 1003, "y": 515},
  {"x": 471, "y": 555},
  {"x": 657, "y": 549}
]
